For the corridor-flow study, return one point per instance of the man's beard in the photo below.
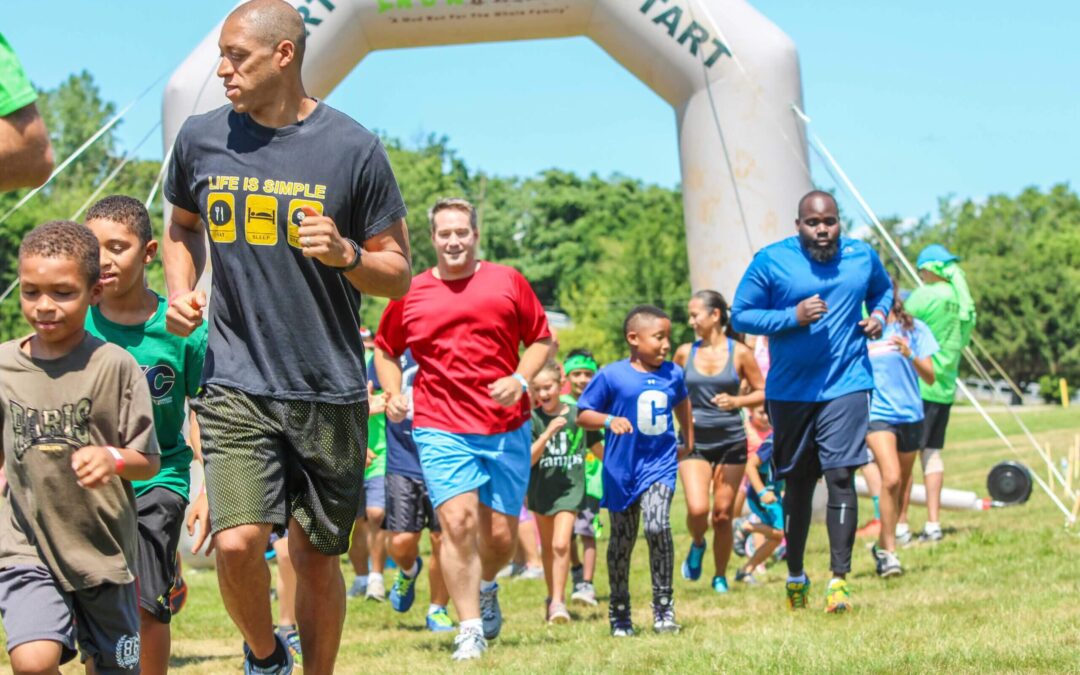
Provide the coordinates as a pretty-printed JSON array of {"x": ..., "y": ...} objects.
[{"x": 821, "y": 255}]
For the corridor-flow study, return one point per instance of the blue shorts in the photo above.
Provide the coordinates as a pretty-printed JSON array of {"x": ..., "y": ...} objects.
[
  {"x": 812, "y": 437},
  {"x": 374, "y": 495},
  {"x": 496, "y": 466}
]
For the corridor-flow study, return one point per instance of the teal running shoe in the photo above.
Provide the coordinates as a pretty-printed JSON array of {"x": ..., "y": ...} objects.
[
  {"x": 691, "y": 567},
  {"x": 719, "y": 584}
]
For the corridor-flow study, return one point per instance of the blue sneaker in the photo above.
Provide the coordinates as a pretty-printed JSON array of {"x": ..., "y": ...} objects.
[
  {"x": 691, "y": 567},
  {"x": 439, "y": 621},
  {"x": 491, "y": 613},
  {"x": 719, "y": 584},
  {"x": 403, "y": 592}
]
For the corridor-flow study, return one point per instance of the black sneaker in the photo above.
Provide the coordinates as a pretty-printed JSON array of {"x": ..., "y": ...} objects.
[{"x": 621, "y": 623}]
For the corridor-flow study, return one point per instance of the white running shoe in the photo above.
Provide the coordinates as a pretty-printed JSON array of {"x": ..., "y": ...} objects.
[
  {"x": 376, "y": 588},
  {"x": 468, "y": 645}
]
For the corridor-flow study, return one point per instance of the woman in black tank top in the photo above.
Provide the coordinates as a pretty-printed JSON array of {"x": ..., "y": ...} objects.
[{"x": 716, "y": 367}]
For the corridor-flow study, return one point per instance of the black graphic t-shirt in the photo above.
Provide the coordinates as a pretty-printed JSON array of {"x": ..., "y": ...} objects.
[
  {"x": 282, "y": 325},
  {"x": 96, "y": 395}
]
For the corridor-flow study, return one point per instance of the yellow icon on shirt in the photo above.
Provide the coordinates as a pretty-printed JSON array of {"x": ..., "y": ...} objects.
[
  {"x": 260, "y": 220},
  {"x": 221, "y": 217},
  {"x": 296, "y": 216}
]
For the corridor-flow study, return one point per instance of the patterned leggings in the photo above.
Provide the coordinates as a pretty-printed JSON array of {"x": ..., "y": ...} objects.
[{"x": 655, "y": 504}]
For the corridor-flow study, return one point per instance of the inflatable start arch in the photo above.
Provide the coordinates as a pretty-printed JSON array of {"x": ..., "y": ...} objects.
[{"x": 730, "y": 75}]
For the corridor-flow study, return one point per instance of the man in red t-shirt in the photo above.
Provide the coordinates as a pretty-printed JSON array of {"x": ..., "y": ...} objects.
[{"x": 465, "y": 321}]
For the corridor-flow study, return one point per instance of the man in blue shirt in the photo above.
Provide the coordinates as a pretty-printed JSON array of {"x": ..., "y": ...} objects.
[{"x": 807, "y": 293}]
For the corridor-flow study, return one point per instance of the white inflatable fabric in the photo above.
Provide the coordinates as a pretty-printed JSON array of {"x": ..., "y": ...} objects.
[{"x": 729, "y": 74}]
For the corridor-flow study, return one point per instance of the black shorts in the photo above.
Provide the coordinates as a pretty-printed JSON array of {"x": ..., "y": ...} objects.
[
  {"x": 408, "y": 507},
  {"x": 935, "y": 420},
  {"x": 269, "y": 460},
  {"x": 908, "y": 434},
  {"x": 161, "y": 515},
  {"x": 731, "y": 452},
  {"x": 811, "y": 437}
]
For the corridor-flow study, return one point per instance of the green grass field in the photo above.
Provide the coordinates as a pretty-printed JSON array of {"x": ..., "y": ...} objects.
[{"x": 999, "y": 594}]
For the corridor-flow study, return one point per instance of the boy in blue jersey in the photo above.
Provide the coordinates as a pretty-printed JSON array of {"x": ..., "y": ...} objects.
[
  {"x": 133, "y": 316},
  {"x": 807, "y": 294},
  {"x": 634, "y": 400}
]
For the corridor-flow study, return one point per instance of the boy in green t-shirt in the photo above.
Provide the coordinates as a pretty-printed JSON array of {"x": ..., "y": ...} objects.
[
  {"x": 75, "y": 428},
  {"x": 580, "y": 367},
  {"x": 132, "y": 316}
]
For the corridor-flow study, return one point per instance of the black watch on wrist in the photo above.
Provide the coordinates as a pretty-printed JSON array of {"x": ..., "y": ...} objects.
[{"x": 356, "y": 259}]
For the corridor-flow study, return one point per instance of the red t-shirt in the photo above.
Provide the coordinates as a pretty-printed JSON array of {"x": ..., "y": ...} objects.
[{"x": 464, "y": 335}]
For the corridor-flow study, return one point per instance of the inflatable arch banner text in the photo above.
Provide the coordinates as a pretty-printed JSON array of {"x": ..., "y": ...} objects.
[{"x": 729, "y": 74}]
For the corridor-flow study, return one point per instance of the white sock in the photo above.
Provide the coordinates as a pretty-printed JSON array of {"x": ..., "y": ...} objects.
[
  {"x": 932, "y": 527},
  {"x": 411, "y": 572},
  {"x": 432, "y": 608},
  {"x": 471, "y": 625},
  {"x": 487, "y": 585},
  {"x": 901, "y": 529},
  {"x": 801, "y": 579}
]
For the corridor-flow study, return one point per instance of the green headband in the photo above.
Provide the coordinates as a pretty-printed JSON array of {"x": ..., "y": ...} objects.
[{"x": 580, "y": 362}]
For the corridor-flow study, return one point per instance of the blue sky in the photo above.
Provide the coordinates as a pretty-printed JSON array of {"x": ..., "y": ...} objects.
[{"x": 917, "y": 100}]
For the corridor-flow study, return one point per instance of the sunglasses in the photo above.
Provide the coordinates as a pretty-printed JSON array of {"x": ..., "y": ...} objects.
[{"x": 814, "y": 222}]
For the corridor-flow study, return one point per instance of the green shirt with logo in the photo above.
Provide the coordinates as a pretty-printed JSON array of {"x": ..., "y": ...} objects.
[
  {"x": 173, "y": 367},
  {"x": 936, "y": 305}
]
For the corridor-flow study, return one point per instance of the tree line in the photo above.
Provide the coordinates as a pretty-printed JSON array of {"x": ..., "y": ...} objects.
[{"x": 592, "y": 247}]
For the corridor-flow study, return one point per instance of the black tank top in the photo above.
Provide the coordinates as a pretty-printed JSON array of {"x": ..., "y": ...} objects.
[{"x": 714, "y": 427}]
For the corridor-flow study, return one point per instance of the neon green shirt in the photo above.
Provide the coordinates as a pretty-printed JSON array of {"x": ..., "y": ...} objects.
[
  {"x": 937, "y": 306},
  {"x": 173, "y": 369},
  {"x": 594, "y": 468},
  {"x": 16, "y": 92}
]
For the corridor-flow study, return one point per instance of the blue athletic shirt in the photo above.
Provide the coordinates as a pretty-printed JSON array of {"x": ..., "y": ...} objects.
[
  {"x": 896, "y": 396},
  {"x": 402, "y": 457},
  {"x": 827, "y": 359},
  {"x": 635, "y": 461}
]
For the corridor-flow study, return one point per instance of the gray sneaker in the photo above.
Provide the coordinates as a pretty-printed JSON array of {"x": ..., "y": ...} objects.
[
  {"x": 930, "y": 536},
  {"x": 621, "y": 623},
  {"x": 664, "y": 617},
  {"x": 904, "y": 539},
  {"x": 886, "y": 563},
  {"x": 491, "y": 613},
  {"x": 584, "y": 594},
  {"x": 468, "y": 645}
]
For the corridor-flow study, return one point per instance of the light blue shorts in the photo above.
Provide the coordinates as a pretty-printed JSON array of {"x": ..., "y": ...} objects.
[{"x": 496, "y": 466}]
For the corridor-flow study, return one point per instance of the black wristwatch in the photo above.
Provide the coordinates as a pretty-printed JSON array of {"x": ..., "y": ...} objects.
[{"x": 356, "y": 259}]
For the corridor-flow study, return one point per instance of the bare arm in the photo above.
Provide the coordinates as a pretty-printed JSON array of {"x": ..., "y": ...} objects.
[
  {"x": 682, "y": 355},
  {"x": 183, "y": 251},
  {"x": 507, "y": 390},
  {"x": 388, "y": 368},
  {"x": 924, "y": 367},
  {"x": 95, "y": 465},
  {"x": 385, "y": 268},
  {"x": 752, "y": 474},
  {"x": 26, "y": 156},
  {"x": 750, "y": 373}
]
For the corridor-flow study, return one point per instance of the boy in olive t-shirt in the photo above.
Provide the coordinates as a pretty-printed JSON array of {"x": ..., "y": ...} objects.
[
  {"x": 132, "y": 316},
  {"x": 76, "y": 428}
]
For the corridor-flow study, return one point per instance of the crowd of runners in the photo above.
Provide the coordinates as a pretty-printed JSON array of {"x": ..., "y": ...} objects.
[{"x": 320, "y": 439}]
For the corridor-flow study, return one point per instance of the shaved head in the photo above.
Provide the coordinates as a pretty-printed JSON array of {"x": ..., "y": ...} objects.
[
  {"x": 272, "y": 22},
  {"x": 816, "y": 201}
]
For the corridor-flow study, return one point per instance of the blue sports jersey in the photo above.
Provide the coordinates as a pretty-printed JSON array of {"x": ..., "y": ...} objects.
[
  {"x": 896, "y": 396},
  {"x": 402, "y": 457},
  {"x": 635, "y": 461},
  {"x": 826, "y": 359}
]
